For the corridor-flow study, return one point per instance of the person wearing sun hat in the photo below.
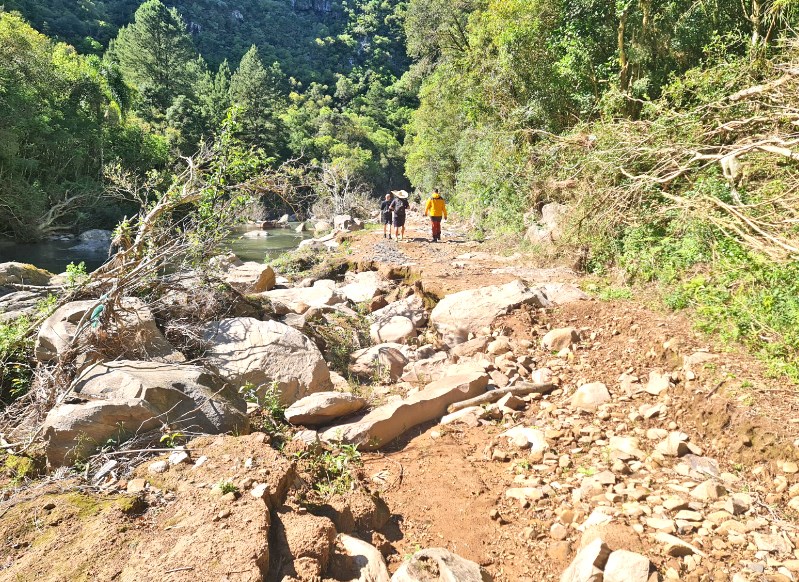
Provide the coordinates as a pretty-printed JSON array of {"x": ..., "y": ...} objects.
[{"x": 398, "y": 207}]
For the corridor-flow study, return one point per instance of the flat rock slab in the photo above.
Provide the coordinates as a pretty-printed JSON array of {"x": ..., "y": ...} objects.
[
  {"x": 300, "y": 299},
  {"x": 459, "y": 314},
  {"x": 323, "y": 407},
  {"x": 387, "y": 422},
  {"x": 411, "y": 307}
]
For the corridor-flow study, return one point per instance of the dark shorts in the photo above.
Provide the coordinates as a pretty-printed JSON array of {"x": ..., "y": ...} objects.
[
  {"x": 399, "y": 219},
  {"x": 436, "y": 218},
  {"x": 386, "y": 218}
]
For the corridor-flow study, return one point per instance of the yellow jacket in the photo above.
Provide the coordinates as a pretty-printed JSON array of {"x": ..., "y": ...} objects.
[{"x": 435, "y": 206}]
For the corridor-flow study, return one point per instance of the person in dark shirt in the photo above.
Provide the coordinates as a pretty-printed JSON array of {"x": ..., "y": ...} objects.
[
  {"x": 398, "y": 207},
  {"x": 385, "y": 215}
]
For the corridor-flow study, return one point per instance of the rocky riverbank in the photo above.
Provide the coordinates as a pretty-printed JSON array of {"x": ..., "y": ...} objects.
[{"x": 521, "y": 431}]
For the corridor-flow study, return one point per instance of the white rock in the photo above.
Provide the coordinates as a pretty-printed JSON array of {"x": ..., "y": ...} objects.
[
  {"x": 397, "y": 329},
  {"x": 624, "y": 566},
  {"x": 590, "y": 396},
  {"x": 323, "y": 407}
]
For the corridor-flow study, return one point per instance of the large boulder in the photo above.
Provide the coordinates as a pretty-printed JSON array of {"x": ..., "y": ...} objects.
[
  {"x": 411, "y": 307},
  {"x": 262, "y": 353},
  {"x": 14, "y": 273},
  {"x": 459, "y": 314},
  {"x": 131, "y": 333},
  {"x": 439, "y": 565},
  {"x": 387, "y": 422},
  {"x": 250, "y": 277},
  {"x": 323, "y": 407},
  {"x": 126, "y": 398},
  {"x": 300, "y": 299},
  {"x": 386, "y": 359}
]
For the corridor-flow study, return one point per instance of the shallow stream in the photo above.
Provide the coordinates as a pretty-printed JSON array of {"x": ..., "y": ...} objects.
[{"x": 55, "y": 255}]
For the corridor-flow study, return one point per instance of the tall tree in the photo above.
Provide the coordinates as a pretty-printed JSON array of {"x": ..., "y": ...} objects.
[
  {"x": 155, "y": 53},
  {"x": 258, "y": 92}
]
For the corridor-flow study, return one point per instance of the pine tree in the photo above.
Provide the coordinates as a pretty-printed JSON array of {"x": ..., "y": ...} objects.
[
  {"x": 258, "y": 91},
  {"x": 154, "y": 52}
]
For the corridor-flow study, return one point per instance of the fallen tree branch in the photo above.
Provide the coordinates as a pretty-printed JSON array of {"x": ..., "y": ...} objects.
[{"x": 494, "y": 395}]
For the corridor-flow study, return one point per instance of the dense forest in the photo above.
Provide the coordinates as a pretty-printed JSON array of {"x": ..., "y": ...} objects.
[{"x": 666, "y": 126}]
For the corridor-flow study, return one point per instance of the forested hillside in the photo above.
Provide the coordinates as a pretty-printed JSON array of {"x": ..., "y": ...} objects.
[{"x": 313, "y": 82}]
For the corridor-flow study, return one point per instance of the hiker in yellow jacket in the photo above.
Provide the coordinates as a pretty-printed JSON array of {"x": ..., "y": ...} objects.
[{"x": 436, "y": 209}]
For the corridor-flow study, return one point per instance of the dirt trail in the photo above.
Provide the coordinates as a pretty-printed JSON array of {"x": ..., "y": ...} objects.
[
  {"x": 687, "y": 440},
  {"x": 448, "y": 491}
]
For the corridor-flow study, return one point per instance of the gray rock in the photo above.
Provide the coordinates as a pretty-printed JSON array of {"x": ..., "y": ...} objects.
[
  {"x": 364, "y": 559},
  {"x": 362, "y": 287},
  {"x": 250, "y": 277},
  {"x": 300, "y": 299},
  {"x": 454, "y": 323},
  {"x": 245, "y": 350},
  {"x": 387, "y": 422},
  {"x": 94, "y": 241},
  {"x": 624, "y": 566},
  {"x": 128, "y": 397},
  {"x": 590, "y": 396},
  {"x": 323, "y": 407},
  {"x": 557, "y": 339},
  {"x": 427, "y": 370},
  {"x": 438, "y": 564},
  {"x": 411, "y": 307},
  {"x": 548, "y": 229},
  {"x": 588, "y": 563},
  {"x": 377, "y": 361}
]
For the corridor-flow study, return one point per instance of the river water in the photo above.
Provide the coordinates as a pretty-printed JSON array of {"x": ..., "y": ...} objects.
[{"x": 55, "y": 255}]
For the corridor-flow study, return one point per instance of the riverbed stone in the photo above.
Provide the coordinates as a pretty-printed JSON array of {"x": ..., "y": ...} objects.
[
  {"x": 449, "y": 566},
  {"x": 383, "y": 359},
  {"x": 128, "y": 397},
  {"x": 246, "y": 350},
  {"x": 14, "y": 273},
  {"x": 558, "y": 339},
  {"x": 387, "y": 422},
  {"x": 397, "y": 329},
  {"x": 323, "y": 407},
  {"x": 250, "y": 277},
  {"x": 300, "y": 299},
  {"x": 362, "y": 287},
  {"x": 132, "y": 333},
  {"x": 459, "y": 314},
  {"x": 411, "y": 307},
  {"x": 590, "y": 396}
]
